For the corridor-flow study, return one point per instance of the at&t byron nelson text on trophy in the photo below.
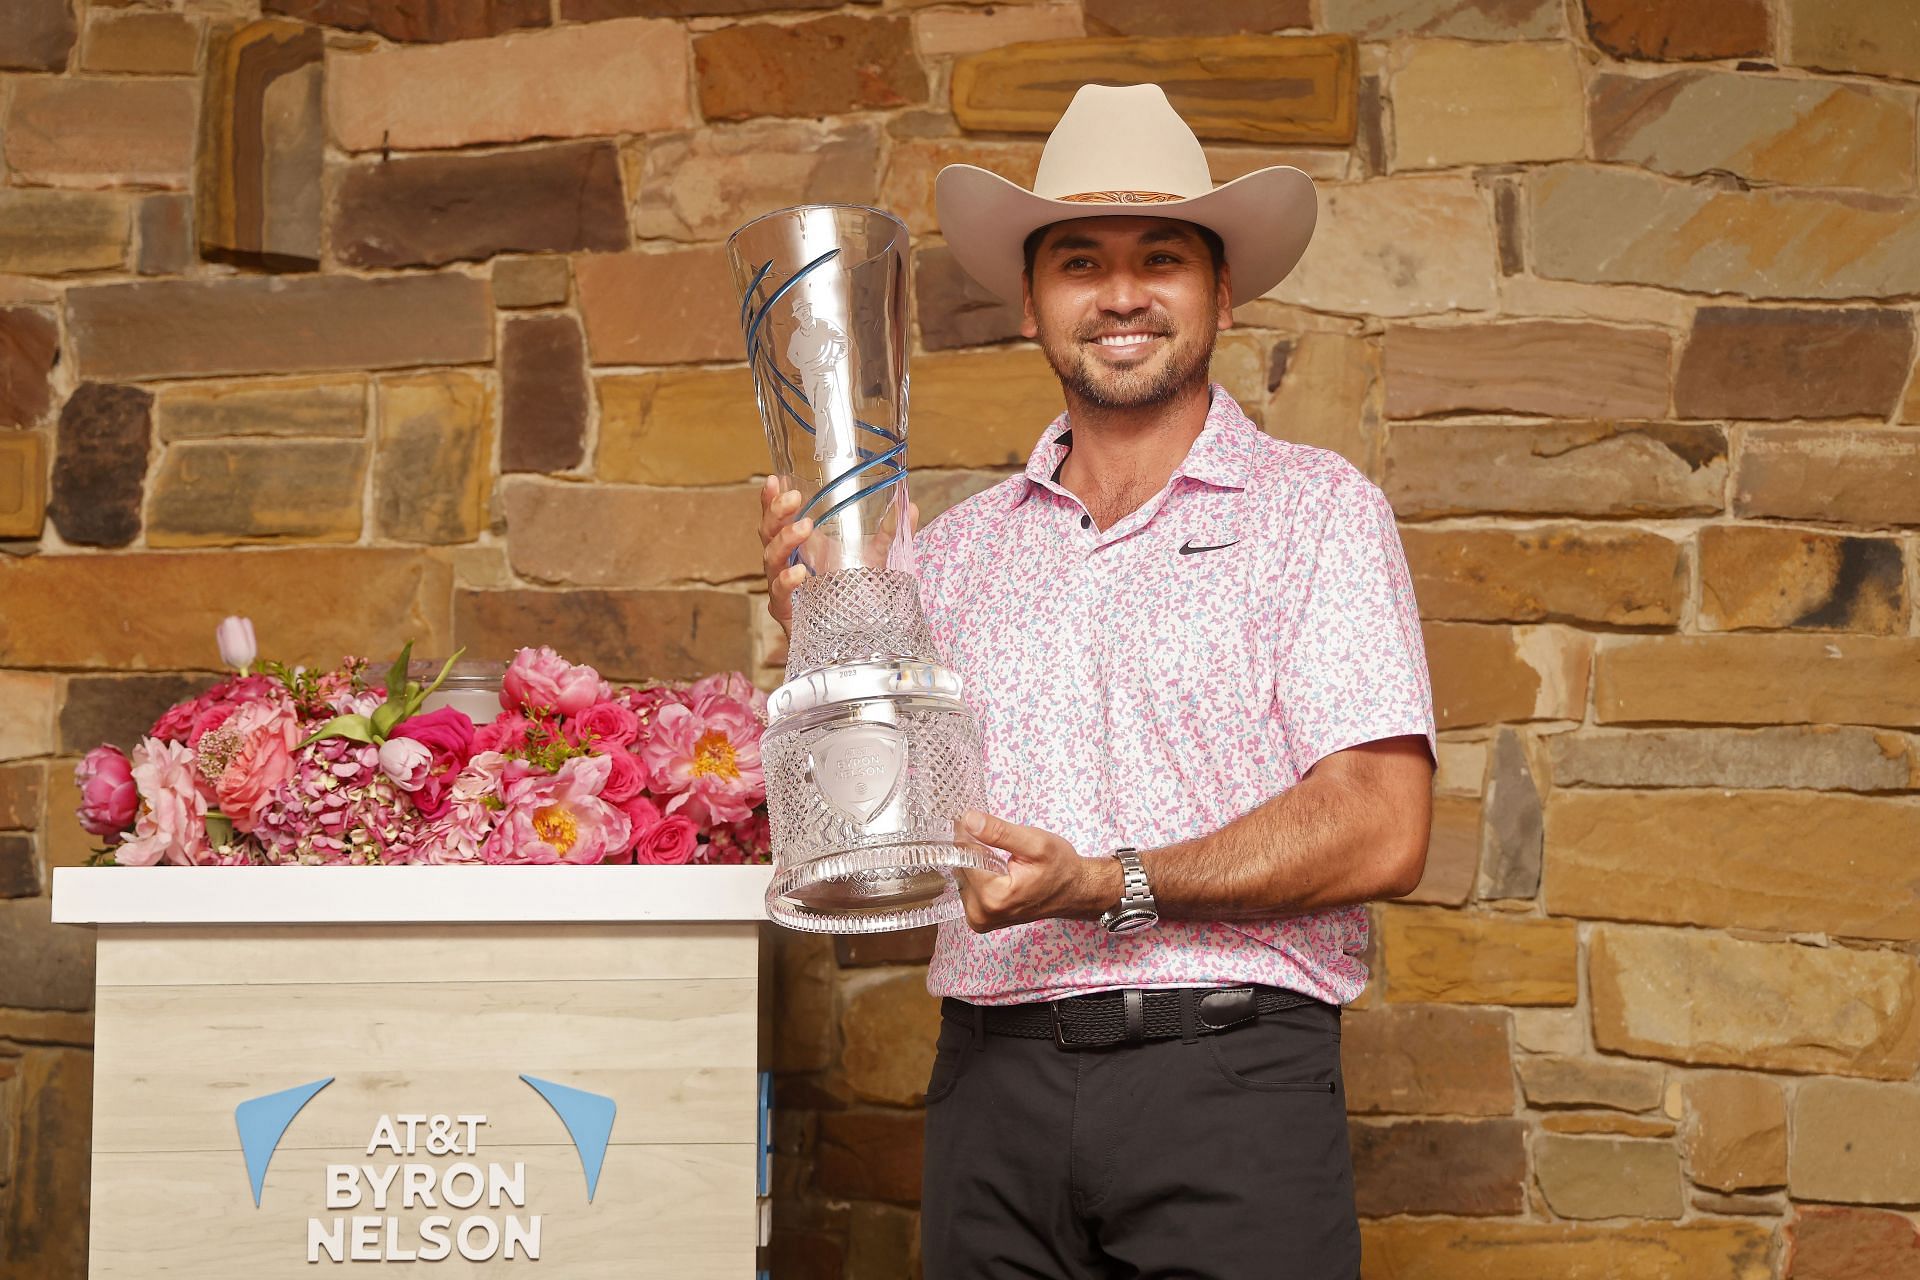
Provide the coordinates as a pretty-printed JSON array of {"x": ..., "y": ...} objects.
[{"x": 870, "y": 754}]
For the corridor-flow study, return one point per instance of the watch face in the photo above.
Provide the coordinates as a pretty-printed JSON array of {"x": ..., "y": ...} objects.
[{"x": 1128, "y": 921}]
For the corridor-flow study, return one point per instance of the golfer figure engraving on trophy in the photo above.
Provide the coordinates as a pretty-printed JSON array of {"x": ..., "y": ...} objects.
[{"x": 818, "y": 349}]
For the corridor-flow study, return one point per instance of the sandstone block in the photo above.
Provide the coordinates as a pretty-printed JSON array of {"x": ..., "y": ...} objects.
[
  {"x": 1813, "y": 758},
  {"x": 171, "y": 604},
  {"x": 700, "y": 426},
  {"x": 1453, "y": 852},
  {"x": 1875, "y": 38},
  {"x": 36, "y": 35},
  {"x": 1561, "y": 1031},
  {"x": 23, "y": 789},
  {"x": 1853, "y": 1142},
  {"x": 954, "y": 310},
  {"x": 676, "y": 307},
  {"x": 1769, "y": 578},
  {"x": 1581, "y": 469},
  {"x": 1426, "y": 1059},
  {"x": 1784, "y": 362},
  {"x": 530, "y": 282},
  {"x": 1801, "y": 132},
  {"x": 1474, "y": 1168},
  {"x": 1460, "y": 103},
  {"x": 46, "y": 1026},
  {"x": 1555, "y": 368},
  {"x": 431, "y": 477},
  {"x": 1610, "y": 224},
  {"x": 1378, "y": 19},
  {"x": 187, "y": 328},
  {"x": 120, "y": 709},
  {"x": 42, "y": 966},
  {"x": 981, "y": 409},
  {"x": 29, "y": 346},
  {"x": 941, "y": 33},
  {"x": 1223, "y": 18},
  {"x": 400, "y": 20},
  {"x": 30, "y": 698},
  {"x": 19, "y": 865},
  {"x": 913, "y": 164},
  {"x": 1605, "y": 1122},
  {"x": 164, "y": 225},
  {"x": 1485, "y": 675},
  {"x": 701, "y": 185},
  {"x": 46, "y": 233},
  {"x": 1676, "y": 30},
  {"x": 600, "y": 10},
  {"x": 889, "y": 1029},
  {"x": 819, "y": 67},
  {"x": 1553, "y": 1081},
  {"x": 870, "y": 1155},
  {"x": 1287, "y": 89},
  {"x": 543, "y": 394},
  {"x": 23, "y": 484},
  {"x": 802, "y": 999},
  {"x": 281, "y": 407},
  {"x": 424, "y": 211},
  {"x": 263, "y": 147},
  {"x": 1555, "y": 573},
  {"x": 233, "y": 492},
  {"x": 1758, "y": 679},
  {"x": 101, "y": 133},
  {"x": 1452, "y": 957},
  {"x": 43, "y": 1226},
  {"x": 141, "y": 43},
  {"x": 1852, "y": 1244},
  {"x": 1713, "y": 858},
  {"x": 1511, "y": 837},
  {"x": 1705, "y": 998},
  {"x": 1736, "y": 1135},
  {"x": 627, "y": 635},
  {"x": 1866, "y": 477},
  {"x": 1327, "y": 392},
  {"x": 1608, "y": 1177},
  {"x": 558, "y": 534},
  {"x": 100, "y": 464},
  {"x": 625, "y": 76},
  {"x": 1402, "y": 246},
  {"x": 1438, "y": 1249}
]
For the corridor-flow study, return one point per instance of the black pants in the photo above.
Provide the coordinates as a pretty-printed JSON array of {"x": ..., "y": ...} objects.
[{"x": 1223, "y": 1158}]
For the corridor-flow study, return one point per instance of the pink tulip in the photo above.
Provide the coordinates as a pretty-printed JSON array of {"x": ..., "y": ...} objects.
[
  {"x": 237, "y": 647},
  {"x": 405, "y": 762},
  {"x": 108, "y": 797}
]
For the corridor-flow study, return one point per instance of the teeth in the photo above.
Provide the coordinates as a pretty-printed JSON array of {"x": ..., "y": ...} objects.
[{"x": 1125, "y": 339}]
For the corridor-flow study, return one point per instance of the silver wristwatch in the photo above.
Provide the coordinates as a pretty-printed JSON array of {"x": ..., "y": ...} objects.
[{"x": 1137, "y": 908}]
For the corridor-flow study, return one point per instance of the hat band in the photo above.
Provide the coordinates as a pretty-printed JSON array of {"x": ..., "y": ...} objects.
[{"x": 1120, "y": 197}]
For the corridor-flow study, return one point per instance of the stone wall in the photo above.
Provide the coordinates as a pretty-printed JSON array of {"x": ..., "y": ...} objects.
[{"x": 376, "y": 319}]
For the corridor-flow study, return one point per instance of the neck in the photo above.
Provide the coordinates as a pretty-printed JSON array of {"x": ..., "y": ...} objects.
[{"x": 1122, "y": 457}]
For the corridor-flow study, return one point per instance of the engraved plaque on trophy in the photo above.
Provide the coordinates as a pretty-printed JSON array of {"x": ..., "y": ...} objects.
[{"x": 870, "y": 754}]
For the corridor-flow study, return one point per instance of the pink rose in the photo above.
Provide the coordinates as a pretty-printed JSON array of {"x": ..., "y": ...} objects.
[
  {"x": 643, "y": 815},
  {"x": 448, "y": 735},
  {"x": 604, "y": 725},
  {"x": 268, "y": 733},
  {"x": 405, "y": 761},
  {"x": 542, "y": 679},
  {"x": 191, "y": 720},
  {"x": 508, "y": 733},
  {"x": 626, "y": 778},
  {"x": 172, "y": 823},
  {"x": 646, "y": 703},
  {"x": 108, "y": 797},
  {"x": 672, "y": 842}
]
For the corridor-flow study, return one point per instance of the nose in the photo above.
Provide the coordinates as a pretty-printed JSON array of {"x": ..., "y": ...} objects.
[{"x": 1122, "y": 293}]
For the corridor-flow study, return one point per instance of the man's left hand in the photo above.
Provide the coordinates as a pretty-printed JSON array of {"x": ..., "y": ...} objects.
[{"x": 1046, "y": 878}]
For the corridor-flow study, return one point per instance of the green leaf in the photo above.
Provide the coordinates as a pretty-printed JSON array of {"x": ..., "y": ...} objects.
[
  {"x": 356, "y": 728},
  {"x": 397, "y": 673},
  {"x": 387, "y": 715}
]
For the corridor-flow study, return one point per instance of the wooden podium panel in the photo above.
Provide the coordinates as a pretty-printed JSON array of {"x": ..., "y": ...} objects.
[{"x": 654, "y": 1018}]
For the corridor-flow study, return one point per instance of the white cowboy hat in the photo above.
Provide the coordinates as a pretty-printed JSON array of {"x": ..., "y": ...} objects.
[{"x": 1126, "y": 151}]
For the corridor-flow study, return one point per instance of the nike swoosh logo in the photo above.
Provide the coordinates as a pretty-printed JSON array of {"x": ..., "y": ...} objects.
[{"x": 1189, "y": 547}]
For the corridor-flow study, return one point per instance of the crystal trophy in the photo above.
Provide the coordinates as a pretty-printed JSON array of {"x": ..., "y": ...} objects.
[{"x": 870, "y": 753}]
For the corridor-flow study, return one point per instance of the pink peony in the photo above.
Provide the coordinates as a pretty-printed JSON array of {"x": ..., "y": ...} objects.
[
  {"x": 405, "y": 762},
  {"x": 672, "y": 842},
  {"x": 508, "y": 733},
  {"x": 707, "y": 759},
  {"x": 604, "y": 725},
  {"x": 557, "y": 817},
  {"x": 730, "y": 685},
  {"x": 261, "y": 760},
  {"x": 172, "y": 823},
  {"x": 626, "y": 777},
  {"x": 108, "y": 796},
  {"x": 448, "y": 734},
  {"x": 646, "y": 703},
  {"x": 542, "y": 679}
]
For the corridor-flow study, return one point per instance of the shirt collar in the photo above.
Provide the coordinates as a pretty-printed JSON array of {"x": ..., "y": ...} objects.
[{"x": 1219, "y": 455}]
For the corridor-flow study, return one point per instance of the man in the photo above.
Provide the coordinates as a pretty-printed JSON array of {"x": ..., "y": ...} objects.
[
  {"x": 817, "y": 349},
  {"x": 1197, "y": 665}
]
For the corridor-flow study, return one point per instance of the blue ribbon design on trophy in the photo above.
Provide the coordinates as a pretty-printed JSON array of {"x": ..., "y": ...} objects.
[{"x": 786, "y": 393}]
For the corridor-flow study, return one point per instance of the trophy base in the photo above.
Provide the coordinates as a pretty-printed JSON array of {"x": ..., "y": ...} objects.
[{"x": 874, "y": 890}]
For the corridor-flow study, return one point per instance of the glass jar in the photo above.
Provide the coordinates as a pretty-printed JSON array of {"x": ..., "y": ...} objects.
[{"x": 473, "y": 686}]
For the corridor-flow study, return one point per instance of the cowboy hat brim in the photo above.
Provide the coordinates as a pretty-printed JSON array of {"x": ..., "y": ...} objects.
[{"x": 1264, "y": 219}]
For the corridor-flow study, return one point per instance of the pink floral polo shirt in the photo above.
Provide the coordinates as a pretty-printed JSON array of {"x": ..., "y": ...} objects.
[{"x": 1150, "y": 682}]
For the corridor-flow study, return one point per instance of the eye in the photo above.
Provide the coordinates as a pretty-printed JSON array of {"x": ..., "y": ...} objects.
[{"x": 1076, "y": 263}]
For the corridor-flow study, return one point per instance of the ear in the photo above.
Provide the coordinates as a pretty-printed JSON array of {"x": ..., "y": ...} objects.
[
  {"x": 1029, "y": 322},
  {"x": 1223, "y": 297}
]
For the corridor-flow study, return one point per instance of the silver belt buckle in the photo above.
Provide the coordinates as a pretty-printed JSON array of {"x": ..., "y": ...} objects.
[{"x": 1060, "y": 1026}]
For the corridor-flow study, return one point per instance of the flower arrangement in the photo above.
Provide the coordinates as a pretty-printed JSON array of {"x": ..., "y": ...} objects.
[{"x": 275, "y": 765}]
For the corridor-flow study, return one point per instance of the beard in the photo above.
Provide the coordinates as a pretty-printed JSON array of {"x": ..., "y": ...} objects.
[{"x": 1164, "y": 377}]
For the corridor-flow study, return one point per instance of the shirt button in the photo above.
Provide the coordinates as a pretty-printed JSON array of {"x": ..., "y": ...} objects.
[{"x": 1086, "y": 522}]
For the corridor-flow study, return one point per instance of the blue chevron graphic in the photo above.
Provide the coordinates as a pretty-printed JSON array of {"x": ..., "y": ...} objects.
[
  {"x": 589, "y": 1120},
  {"x": 263, "y": 1120}
]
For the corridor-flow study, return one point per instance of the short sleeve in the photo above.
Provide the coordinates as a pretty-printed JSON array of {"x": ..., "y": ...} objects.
[{"x": 1351, "y": 666}]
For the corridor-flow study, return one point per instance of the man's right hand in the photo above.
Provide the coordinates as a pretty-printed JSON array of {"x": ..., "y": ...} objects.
[{"x": 780, "y": 535}]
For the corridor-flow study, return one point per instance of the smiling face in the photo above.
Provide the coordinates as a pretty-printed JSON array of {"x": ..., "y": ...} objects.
[{"x": 1126, "y": 308}]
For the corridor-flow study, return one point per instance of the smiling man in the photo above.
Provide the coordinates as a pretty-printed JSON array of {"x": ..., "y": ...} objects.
[{"x": 1196, "y": 662}]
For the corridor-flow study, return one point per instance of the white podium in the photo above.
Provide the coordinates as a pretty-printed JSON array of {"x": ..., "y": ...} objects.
[{"x": 552, "y": 1069}]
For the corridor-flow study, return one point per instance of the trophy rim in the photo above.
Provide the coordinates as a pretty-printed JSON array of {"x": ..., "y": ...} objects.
[{"x": 901, "y": 231}]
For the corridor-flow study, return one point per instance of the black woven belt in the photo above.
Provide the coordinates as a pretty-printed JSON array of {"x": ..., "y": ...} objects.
[{"x": 1126, "y": 1017}]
